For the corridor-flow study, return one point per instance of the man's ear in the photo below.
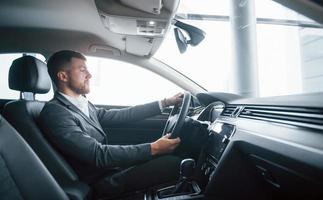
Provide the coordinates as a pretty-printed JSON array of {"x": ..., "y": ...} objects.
[{"x": 62, "y": 76}]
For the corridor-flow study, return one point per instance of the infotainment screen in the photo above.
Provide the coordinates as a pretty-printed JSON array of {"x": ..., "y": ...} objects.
[
  {"x": 223, "y": 129},
  {"x": 220, "y": 134}
]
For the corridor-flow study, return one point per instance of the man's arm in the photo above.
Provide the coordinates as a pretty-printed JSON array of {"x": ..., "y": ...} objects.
[
  {"x": 135, "y": 113},
  {"x": 64, "y": 132}
]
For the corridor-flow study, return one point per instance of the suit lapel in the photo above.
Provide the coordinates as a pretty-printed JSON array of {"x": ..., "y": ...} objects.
[
  {"x": 93, "y": 116},
  {"x": 92, "y": 113},
  {"x": 91, "y": 120}
]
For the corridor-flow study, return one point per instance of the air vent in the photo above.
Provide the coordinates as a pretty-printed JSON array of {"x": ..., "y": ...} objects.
[
  {"x": 230, "y": 111},
  {"x": 306, "y": 117}
]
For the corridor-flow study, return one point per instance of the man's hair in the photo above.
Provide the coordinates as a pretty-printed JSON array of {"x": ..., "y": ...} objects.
[{"x": 59, "y": 60}]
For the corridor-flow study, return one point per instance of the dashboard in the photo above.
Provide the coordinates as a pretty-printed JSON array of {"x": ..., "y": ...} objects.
[
  {"x": 265, "y": 149},
  {"x": 219, "y": 136}
]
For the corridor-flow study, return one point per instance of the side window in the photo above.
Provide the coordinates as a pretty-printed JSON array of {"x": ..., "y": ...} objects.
[
  {"x": 5, "y": 91},
  {"x": 119, "y": 83}
]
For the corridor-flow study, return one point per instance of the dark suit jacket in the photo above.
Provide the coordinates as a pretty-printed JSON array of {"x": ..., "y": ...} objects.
[{"x": 82, "y": 140}]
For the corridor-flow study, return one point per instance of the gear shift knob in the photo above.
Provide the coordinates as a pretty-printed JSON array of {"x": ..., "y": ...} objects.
[{"x": 187, "y": 168}]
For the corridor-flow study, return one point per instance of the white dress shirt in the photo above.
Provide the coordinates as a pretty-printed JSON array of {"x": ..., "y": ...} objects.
[{"x": 80, "y": 102}]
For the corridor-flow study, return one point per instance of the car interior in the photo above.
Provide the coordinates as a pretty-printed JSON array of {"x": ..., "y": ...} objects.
[{"x": 233, "y": 146}]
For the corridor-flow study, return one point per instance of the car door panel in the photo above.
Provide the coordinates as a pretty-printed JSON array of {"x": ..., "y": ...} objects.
[{"x": 143, "y": 131}]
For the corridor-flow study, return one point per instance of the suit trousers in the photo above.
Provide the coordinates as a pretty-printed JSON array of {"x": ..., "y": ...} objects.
[{"x": 157, "y": 171}]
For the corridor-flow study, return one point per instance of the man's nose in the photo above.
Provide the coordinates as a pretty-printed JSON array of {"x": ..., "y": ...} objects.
[{"x": 89, "y": 75}]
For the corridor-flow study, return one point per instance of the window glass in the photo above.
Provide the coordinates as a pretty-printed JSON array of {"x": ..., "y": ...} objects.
[
  {"x": 206, "y": 64},
  {"x": 279, "y": 71},
  {"x": 289, "y": 48},
  {"x": 272, "y": 10},
  {"x": 290, "y": 58},
  {"x": 204, "y": 7},
  {"x": 311, "y": 53},
  {"x": 119, "y": 83},
  {"x": 6, "y": 92},
  {"x": 5, "y": 63}
]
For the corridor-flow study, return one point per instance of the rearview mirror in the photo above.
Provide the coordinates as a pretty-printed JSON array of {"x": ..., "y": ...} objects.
[
  {"x": 180, "y": 40},
  {"x": 196, "y": 35}
]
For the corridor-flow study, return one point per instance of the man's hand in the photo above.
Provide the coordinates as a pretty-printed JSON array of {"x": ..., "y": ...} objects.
[
  {"x": 164, "y": 145},
  {"x": 172, "y": 101}
]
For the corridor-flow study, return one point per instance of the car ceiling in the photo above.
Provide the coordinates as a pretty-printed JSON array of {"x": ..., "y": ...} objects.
[
  {"x": 47, "y": 26},
  {"x": 310, "y": 8}
]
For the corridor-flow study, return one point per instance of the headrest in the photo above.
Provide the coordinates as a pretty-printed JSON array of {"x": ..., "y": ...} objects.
[{"x": 28, "y": 74}]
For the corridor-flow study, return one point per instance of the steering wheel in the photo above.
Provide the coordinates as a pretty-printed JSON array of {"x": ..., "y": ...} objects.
[{"x": 177, "y": 116}]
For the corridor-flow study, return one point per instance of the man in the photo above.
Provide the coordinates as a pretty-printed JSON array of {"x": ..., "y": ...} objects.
[{"x": 74, "y": 126}]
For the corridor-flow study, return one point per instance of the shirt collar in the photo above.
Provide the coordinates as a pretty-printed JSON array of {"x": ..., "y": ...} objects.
[{"x": 80, "y": 102}]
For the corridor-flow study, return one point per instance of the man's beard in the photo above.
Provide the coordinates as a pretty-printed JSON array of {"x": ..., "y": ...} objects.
[{"x": 85, "y": 89}]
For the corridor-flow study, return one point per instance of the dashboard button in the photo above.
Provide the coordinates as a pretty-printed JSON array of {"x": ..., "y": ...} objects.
[{"x": 225, "y": 139}]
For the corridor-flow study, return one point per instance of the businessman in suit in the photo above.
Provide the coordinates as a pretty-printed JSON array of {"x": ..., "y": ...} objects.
[{"x": 74, "y": 126}]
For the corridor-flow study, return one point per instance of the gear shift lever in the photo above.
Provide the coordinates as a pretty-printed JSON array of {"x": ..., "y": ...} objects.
[
  {"x": 187, "y": 168},
  {"x": 186, "y": 172},
  {"x": 184, "y": 185}
]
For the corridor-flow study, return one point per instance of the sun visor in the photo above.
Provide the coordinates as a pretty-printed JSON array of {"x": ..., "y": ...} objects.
[{"x": 145, "y": 44}]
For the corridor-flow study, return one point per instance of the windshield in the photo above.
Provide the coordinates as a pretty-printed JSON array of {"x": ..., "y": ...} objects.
[{"x": 288, "y": 56}]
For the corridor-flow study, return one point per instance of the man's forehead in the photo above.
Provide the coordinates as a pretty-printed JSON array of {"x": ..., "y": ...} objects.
[{"x": 78, "y": 62}]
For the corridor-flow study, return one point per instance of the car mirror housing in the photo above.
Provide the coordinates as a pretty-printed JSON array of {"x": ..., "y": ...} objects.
[
  {"x": 180, "y": 40},
  {"x": 196, "y": 35}
]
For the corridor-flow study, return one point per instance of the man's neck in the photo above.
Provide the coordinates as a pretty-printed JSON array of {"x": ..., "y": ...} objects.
[{"x": 69, "y": 92}]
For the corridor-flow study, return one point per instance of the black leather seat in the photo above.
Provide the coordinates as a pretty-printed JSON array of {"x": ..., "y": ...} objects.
[
  {"x": 22, "y": 174},
  {"x": 29, "y": 76}
]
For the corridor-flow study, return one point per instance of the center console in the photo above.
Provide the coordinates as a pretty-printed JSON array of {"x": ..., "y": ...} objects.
[
  {"x": 196, "y": 177},
  {"x": 219, "y": 137},
  {"x": 187, "y": 187}
]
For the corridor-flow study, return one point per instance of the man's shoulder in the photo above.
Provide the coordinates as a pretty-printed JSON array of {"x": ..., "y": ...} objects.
[
  {"x": 52, "y": 103},
  {"x": 53, "y": 106}
]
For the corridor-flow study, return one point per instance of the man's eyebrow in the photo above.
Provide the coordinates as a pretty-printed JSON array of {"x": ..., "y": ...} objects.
[{"x": 83, "y": 66}]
